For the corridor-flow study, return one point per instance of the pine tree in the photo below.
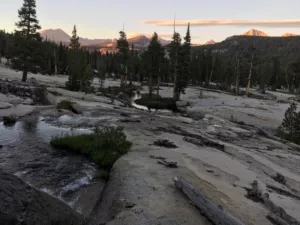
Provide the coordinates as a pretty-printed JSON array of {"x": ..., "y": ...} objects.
[
  {"x": 75, "y": 45},
  {"x": 174, "y": 49},
  {"x": 26, "y": 41},
  {"x": 184, "y": 65},
  {"x": 123, "y": 46},
  {"x": 154, "y": 51},
  {"x": 276, "y": 73}
]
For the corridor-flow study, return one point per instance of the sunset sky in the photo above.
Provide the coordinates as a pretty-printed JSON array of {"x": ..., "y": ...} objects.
[{"x": 214, "y": 19}]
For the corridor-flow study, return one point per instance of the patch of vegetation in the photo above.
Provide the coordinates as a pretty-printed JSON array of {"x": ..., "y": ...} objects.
[
  {"x": 290, "y": 127},
  {"x": 66, "y": 104},
  {"x": 39, "y": 94},
  {"x": 9, "y": 120},
  {"x": 115, "y": 90},
  {"x": 157, "y": 102},
  {"x": 104, "y": 146}
]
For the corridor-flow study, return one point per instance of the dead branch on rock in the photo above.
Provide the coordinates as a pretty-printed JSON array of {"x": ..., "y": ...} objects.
[
  {"x": 169, "y": 164},
  {"x": 130, "y": 121},
  {"x": 256, "y": 193},
  {"x": 165, "y": 143},
  {"x": 213, "y": 212},
  {"x": 283, "y": 192},
  {"x": 277, "y": 220},
  {"x": 197, "y": 138},
  {"x": 280, "y": 179},
  {"x": 203, "y": 141},
  {"x": 157, "y": 157}
]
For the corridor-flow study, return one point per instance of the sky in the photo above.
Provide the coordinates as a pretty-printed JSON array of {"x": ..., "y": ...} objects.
[{"x": 210, "y": 19}]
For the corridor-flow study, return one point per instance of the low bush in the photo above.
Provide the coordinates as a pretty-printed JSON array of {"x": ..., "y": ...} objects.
[
  {"x": 66, "y": 104},
  {"x": 103, "y": 146},
  {"x": 157, "y": 102},
  {"x": 290, "y": 127}
]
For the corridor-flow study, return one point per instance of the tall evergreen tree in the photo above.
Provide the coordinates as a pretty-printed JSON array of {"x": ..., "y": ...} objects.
[
  {"x": 184, "y": 68},
  {"x": 26, "y": 41},
  {"x": 123, "y": 46},
  {"x": 75, "y": 45},
  {"x": 154, "y": 54},
  {"x": 174, "y": 49}
]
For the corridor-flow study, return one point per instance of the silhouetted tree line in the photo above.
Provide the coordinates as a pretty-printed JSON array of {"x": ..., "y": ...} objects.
[{"x": 237, "y": 61}]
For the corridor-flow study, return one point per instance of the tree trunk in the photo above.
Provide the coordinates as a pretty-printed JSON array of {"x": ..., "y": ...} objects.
[
  {"x": 212, "y": 70},
  {"x": 237, "y": 82},
  {"x": 24, "y": 77},
  {"x": 150, "y": 85},
  {"x": 158, "y": 84},
  {"x": 175, "y": 81},
  {"x": 213, "y": 212},
  {"x": 249, "y": 78}
]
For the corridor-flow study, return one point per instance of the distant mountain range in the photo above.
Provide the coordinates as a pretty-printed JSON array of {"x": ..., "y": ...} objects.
[
  {"x": 103, "y": 45},
  {"x": 254, "y": 32}
]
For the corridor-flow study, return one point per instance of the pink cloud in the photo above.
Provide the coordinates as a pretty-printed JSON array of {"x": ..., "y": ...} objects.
[{"x": 259, "y": 23}]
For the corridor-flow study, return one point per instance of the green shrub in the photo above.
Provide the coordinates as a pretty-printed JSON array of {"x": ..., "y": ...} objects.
[
  {"x": 103, "y": 146},
  {"x": 66, "y": 104},
  {"x": 157, "y": 102},
  {"x": 290, "y": 127}
]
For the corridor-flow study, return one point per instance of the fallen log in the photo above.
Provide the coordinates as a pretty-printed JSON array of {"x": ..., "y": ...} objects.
[
  {"x": 213, "y": 212},
  {"x": 276, "y": 219},
  {"x": 169, "y": 164},
  {"x": 256, "y": 193}
]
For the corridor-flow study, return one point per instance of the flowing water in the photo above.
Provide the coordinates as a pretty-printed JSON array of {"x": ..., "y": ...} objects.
[{"x": 26, "y": 153}]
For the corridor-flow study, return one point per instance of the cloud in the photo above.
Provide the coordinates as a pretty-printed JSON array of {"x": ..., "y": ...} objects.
[{"x": 242, "y": 23}]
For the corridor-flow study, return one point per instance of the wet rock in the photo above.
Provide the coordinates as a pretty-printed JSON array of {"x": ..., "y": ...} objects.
[
  {"x": 28, "y": 101},
  {"x": 23, "y": 204}
]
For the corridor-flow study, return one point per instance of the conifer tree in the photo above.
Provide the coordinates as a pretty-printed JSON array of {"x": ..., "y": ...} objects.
[
  {"x": 75, "y": 45},
  {"x": 154, "y": 54},
  {"x": 174, "y": 49},
  {"x": 26, "y": 41},
  {"x": 184, "y": 70},
  {"x": 123, "y": 46}
]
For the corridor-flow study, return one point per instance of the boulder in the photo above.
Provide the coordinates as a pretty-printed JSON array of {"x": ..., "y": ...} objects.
[
  {"x": 182, "y": 104},
  {"x": 16, "y": 101},
  {"x": 28, "y": 101},
  {"x": 32, "y": 81},
  {"x": 23, "y": 204},
  {"x": 282, "y": 99},
  {"x": 197, "y": 114}
]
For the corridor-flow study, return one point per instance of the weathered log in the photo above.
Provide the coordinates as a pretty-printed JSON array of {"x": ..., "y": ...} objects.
[
  {"x": 257, "y": 193},
  {"x": 276, "y": 219},
  {"x": 169, "y": 164},
  {"x": 213, "y": 212}
]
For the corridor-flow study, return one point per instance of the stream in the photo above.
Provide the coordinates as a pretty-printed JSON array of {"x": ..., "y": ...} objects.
[{"x": 26, "y": 153}]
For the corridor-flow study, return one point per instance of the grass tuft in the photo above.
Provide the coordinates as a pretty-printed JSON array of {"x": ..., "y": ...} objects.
[
  {"x": 103, "y": 146},
  {"x": 66, "y": 104}
]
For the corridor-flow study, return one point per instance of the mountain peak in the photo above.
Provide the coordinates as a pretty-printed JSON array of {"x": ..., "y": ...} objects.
[
  {"x": 254, "y": 32},
  {"x": 289, "y": 35},
  {"x": 57, "y": 35},
  {"x": 210, "y": 42}
]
